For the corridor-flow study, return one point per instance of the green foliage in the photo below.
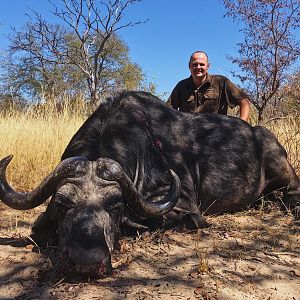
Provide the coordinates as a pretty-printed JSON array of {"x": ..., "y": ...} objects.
[{"x": 86, "y": 56}]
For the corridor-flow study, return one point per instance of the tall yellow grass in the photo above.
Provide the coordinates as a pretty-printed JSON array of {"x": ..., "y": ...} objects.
[
  {"x": 38, "y": 137},
  {"x": 287, "y": 131}
]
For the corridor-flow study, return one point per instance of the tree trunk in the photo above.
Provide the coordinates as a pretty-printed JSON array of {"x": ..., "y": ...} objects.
[
  {"x": 260, "y": 116},
  {"x": 94, "y": 97}
]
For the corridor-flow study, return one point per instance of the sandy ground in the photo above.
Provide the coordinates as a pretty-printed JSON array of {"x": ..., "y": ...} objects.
[{"x": 250, "y": 255}]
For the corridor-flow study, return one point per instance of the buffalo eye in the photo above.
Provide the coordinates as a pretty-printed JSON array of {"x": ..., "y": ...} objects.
[
  {"x": 64, "y": 201},
  {"x": 112, "y": 204},
  {"x": 114, "y": 207}
]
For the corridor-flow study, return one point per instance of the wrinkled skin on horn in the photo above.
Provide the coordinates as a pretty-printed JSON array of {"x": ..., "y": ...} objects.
[{"x": 90, "y": 201}]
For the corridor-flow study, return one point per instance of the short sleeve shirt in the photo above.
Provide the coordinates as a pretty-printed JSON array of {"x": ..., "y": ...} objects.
[{"x": 213, "y": 96}]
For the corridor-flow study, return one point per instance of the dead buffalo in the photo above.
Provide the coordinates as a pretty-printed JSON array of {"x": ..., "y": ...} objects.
[{"x": 137, "y": 162}]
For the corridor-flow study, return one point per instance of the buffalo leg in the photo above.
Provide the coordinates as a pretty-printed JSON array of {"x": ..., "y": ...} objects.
[
  {"x": 292, "y": 195},
  {"x": 281, "y": 176}
]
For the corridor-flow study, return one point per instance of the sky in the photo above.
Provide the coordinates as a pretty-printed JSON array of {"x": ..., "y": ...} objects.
[{"x": 162, "y": 45}]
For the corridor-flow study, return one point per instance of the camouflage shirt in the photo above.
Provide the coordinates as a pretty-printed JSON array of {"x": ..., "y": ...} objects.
[{"x": 213, "y": 96}]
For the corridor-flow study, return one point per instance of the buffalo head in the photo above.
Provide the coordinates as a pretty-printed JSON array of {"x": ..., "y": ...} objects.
[{"x": 90, "y": 200}]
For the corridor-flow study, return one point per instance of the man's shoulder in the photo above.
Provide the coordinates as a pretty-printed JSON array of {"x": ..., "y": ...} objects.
[
  {"x": 185, "y": 82},
  {"x": 224, "y": 82},
  {"x": 217, "y": 77}
]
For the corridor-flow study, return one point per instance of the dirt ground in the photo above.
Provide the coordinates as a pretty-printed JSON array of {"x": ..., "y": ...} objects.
[{"x": 249, "y": 255}]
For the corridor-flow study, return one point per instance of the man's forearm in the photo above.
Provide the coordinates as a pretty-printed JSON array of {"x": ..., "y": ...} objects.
[{"x": 244, "y": 109}]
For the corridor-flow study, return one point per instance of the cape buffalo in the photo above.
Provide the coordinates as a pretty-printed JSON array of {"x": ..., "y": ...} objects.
[{"x": 137, "y": 162}]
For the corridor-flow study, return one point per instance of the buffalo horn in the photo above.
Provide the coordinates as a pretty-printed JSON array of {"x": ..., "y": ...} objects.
[
  {"x": 148, "y": 208},
  {"x": 23, "y": 201}
]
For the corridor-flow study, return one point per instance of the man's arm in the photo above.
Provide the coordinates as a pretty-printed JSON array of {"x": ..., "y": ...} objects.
[
  {"x": 173, "y": 100},
  {"x": 169, "y": 101},
  {"x": 244, "y": 109},
  {"x": 233, "y": 95}
]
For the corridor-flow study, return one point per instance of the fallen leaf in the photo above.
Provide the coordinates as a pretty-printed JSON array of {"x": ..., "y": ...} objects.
[{"x": 198, "y": 291}]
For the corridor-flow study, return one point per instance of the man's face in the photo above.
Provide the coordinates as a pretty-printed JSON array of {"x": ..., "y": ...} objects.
[{"x": 199, "y": 66}]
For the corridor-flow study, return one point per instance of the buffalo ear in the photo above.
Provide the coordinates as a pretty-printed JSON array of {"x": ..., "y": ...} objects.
[
  {"x": 130, "y": 228},
  {"x": 195, "y": 221},
  {"x": 135, "y": 225},
  {"x": 189, "y": 220}
]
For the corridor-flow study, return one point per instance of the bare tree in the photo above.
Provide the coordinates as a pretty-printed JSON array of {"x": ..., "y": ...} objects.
[
  {"x": 37, "y": 67},
  {"x": 86, "y": 40},
  {"x": 270, "y": 47},
  {"x": 291, "y": 93}
]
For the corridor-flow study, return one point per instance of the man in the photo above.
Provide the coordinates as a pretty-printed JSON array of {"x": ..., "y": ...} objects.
[{"x": 202, "y": 92}]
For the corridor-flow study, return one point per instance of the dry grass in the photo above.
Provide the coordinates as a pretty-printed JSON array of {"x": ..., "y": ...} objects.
[
  {"x": 38, "y": 137},
  {"x": 287, "y": 131},
  {"x": 235, "y": 256},
  {"x": 248, "y": 255}
]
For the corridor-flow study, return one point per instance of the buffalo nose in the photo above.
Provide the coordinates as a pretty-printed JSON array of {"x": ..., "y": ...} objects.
[
  {"x": 95, "y": 261},
  {"x": 87, "y": 253}
]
